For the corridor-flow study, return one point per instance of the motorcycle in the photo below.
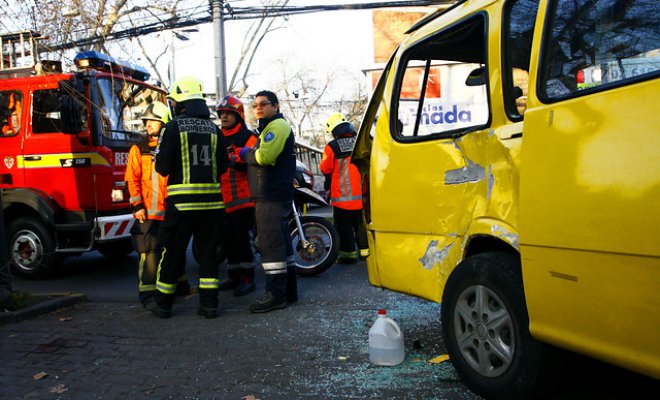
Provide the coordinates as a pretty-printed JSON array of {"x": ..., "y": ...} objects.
[{"x": 315, "y": 239}]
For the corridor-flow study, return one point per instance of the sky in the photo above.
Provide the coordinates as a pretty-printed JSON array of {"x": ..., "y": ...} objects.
[{"x": 325, "y": 41}]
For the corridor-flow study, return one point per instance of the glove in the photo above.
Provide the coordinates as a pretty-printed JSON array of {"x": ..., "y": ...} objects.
[{"x": 243, "y": 151}]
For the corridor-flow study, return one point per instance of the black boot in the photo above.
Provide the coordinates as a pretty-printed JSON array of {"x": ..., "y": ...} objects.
[
  {"x": 160, "y": 305},
  {"x": 208, "y": 303},
  {"x": 275, "y": 297},
  {"x": 291, "y": 283},
  {"x": 246, "y": 284},
  {"x": 232, "y": 281}
]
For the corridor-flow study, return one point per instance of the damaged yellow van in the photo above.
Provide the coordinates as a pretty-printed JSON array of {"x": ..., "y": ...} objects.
[{"x": 511, "y": 163}]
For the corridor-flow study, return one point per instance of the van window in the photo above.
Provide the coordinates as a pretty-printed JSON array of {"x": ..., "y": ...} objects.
[
  {"x": 11, "y": 107},
  {"x": 442, "y": 88},
  {"x": 592, "y": 45},
  {"x": 518, "y": 24}
]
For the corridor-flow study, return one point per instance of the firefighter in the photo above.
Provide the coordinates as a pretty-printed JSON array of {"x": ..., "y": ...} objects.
[
  {"x": 192, "y": 155},
  {"x": 345, "y": 189},
  {"x": 236, "y": 195},
  {"x": 148, "y": 190},
  {"x": 271, "y": 170}
]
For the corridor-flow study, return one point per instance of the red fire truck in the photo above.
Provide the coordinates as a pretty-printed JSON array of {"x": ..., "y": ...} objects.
[{"x": 63, "y": 151}]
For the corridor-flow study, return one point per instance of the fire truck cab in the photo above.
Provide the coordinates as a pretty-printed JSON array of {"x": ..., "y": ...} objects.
[{"x": 63, "y": 152}]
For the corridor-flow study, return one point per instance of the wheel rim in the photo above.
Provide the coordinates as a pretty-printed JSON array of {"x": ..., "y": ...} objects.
[
  {"x": 320, "y": 243},
  {"x": 484, "y": 331},
  {"x": 27, "y": 250}
]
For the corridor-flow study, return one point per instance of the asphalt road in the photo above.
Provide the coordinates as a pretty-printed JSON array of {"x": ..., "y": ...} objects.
[{"x": 316, "y": 348}]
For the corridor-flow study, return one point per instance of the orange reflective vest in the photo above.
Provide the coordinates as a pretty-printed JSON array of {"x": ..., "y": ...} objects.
[
  {"x": 147, "y": 188},
  {"x": 346, "y": 186},
  {"x": 234, "y": 182}
]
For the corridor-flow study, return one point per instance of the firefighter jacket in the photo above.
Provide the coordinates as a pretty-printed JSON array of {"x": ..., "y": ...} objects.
[
  {"x": 272, "y": 163},
  {"x": 346, "y": 187},
  {"x": 193, "y": 155},
  {"x": 234, "y": 182},
  {"x": 147, "y": 188}
]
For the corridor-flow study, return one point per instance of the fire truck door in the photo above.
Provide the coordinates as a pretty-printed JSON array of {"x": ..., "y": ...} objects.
[{"x": 13, "y": 130}]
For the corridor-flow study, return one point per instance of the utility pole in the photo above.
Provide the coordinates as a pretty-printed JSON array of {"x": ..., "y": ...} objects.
[{"x": 220, "y": 57}]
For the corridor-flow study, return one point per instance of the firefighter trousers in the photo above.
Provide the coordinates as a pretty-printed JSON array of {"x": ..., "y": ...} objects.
[
  {"x": 175, "y": 234},
  {"x": 240, "y": 224},
  {"x": 144, "y": 236},
  {"x": 351, "y": 228}
]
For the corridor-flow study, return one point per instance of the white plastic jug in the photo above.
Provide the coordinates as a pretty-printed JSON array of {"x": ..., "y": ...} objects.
[{"x": 385, "y": 341}]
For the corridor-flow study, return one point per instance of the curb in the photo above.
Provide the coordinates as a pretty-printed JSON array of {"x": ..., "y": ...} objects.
[{"x": 62, "y": 300}]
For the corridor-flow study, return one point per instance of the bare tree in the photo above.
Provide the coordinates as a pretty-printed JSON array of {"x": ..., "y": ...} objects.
[
  {"x": 257, "y": 32},
  {"x": 70, "y": 20},
  {"x": 308, "y": 97}
]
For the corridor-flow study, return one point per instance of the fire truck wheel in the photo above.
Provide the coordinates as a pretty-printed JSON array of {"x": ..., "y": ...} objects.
[
  {"x": 115, "y": 250},
  {"x": 32, "y": 249}
]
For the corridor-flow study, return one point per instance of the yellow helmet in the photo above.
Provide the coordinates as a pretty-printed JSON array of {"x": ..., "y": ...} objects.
[
  {"x": 156, "y": 111},
  {"x": 187, "y": 88},
  {"x": 335, "y": 120}
]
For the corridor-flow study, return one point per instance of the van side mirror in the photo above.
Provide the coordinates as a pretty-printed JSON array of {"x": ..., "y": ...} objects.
[{"x": 477, "y": 77}]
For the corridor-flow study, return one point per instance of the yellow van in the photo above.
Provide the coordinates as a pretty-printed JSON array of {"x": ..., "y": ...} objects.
[{"x": 511, "y": 162}]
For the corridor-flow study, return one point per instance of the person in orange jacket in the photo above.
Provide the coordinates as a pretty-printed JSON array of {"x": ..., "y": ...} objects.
[
  {"x": 148, "y": 191},
  {"x": 236, "y": 195},
  {"x": 345, "y": 189}
]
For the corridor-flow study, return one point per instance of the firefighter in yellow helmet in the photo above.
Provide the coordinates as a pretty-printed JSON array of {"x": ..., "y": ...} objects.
[
  {"x": 192, "y": 154},
  {"x": 345, "y": 189},
  {"x": 147, "y": 192}
]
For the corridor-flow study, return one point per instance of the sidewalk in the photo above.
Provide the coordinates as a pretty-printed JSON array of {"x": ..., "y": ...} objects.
[{"x": 314, "y": 349}]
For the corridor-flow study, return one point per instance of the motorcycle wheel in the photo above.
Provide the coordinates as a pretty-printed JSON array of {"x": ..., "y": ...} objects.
[{"x": 322, "y": 249}]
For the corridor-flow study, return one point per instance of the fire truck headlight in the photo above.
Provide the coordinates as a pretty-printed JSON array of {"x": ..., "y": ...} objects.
[{"x": 117, "y": 195}]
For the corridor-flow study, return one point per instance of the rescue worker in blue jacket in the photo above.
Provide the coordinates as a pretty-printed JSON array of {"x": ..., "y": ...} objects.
[
  {"x": 193, "y": 155},
  {"x": 271, "y": 170}
]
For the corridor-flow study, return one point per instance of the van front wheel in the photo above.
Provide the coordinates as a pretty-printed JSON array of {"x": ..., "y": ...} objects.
[{"x": 485, "y": 326}]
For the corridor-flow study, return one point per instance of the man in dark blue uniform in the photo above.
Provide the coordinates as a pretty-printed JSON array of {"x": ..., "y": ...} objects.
[{"x": 271, "y": 170}]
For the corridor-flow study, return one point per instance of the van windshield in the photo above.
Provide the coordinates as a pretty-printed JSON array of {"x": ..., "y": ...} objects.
[{"x": 121, "y": 104}]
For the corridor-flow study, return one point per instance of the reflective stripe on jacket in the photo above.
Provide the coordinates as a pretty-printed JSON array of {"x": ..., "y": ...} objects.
[
  {"x": 346, "y": 187},
  {"x": 147, "y": 188},
  {"x": 192, "y": 154},
  {"x": 234, "y": 182}
]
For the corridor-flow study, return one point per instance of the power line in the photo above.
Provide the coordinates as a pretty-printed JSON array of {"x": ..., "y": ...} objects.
[{"x": 238, "y": 13}]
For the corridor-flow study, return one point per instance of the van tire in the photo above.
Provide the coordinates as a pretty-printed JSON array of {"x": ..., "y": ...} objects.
[
  {"x": 491, "y": 347},
  {"x": 32, "y": 249}
]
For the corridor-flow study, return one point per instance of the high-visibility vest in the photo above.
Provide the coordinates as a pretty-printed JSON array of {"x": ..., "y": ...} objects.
[
  {"x": 146, "y": 187},
  {"x": 346, "y": 187},
  {"x": 234, "y": 182}
]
